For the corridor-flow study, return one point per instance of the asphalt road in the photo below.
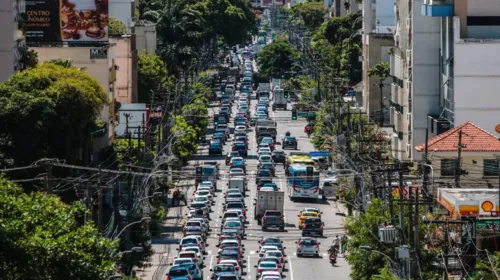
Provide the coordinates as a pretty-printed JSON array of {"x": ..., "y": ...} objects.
[{"x": 297, "y": 268}]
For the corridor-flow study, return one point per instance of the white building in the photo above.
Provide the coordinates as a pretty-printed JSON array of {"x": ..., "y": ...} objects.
[
  {"x": 12, "y": 43},
  {"x": 469, "y": 60},
  {"x": 378, "y": 30},
  {"x": 415, "y": 90}
]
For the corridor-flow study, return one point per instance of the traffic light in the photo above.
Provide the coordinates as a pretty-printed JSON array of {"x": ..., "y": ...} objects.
[
  {"x": 286, "y": 94},
  {"x": 294, "y": 114},
  {"x": 223, "y": 93},
  {"x": 216, "y": 120},
  {"x": 282, "y": 76}
]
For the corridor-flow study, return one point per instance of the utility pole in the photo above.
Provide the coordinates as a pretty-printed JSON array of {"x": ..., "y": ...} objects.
[
  {"x": 458, "y": 164},
  {"x": 348, "y": 132},
  {"x": 144, "y": 132},
  {"x": 99, "y": 198},
  {"x": 401, "y": 206},
  {"x": 425, "y": 163},
  {"x": 391, "y": 206},
  {"x": 89, "y": 204}
]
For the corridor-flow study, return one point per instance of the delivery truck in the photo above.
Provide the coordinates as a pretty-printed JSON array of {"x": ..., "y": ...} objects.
[
  {"x": 279, "y": 100},
  {"x": 272, "y": 201}
]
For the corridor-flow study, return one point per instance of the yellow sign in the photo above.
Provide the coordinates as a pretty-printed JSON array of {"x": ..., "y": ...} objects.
[{"x": 487, "y": 206}]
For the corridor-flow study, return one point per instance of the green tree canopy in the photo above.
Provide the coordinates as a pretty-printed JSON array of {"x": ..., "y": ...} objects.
[
  {"x": 276, "y": 59},
  {"x": 311, "y": 13},
  {"x": 41, "y": 239},
  {"x": 116, "y": 27},
  {"x": 152, "y": 75},
  {"x": 47, "y": 111},
  {"x": 185, "y": 143}
]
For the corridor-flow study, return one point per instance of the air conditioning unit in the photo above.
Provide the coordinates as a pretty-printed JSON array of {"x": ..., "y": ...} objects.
[
  {"x": 408, "y": 57},
  {"x": 408, "y": 150},
  {"x": 408, "y": 85},
  {"x": 392, "y": 115}
]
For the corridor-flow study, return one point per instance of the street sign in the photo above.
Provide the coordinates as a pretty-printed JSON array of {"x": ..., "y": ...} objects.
[
  {"x": 319, "y": 154},
  {"x": 307, "y": 114}
]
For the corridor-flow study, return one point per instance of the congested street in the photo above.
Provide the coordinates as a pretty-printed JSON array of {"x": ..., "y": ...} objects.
[{"x": 294, "y": 266}]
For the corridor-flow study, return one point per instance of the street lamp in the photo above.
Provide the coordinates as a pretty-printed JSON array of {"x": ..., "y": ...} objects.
[
  {"x": 133, "y": 250},
  {"x": 155, "y": 194},
  {"x": 142, "y": 220},
  {"x": 370, "y": 249}
]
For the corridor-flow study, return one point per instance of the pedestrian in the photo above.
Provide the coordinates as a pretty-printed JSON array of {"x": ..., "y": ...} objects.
[
  {"x": 336, "y": 243},
  {"x": 343, "y": 244}
]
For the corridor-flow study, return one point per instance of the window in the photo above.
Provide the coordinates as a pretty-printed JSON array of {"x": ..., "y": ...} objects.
[
  {"x": 490, "y": 167},
  {"x": 448, "y": 167}
]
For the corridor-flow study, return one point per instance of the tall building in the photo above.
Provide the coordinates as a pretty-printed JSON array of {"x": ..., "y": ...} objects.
[
  {"x": 378, "y": 33},
  {"x": 12, "y": 43},
  {"x": 469, "y": 62},
  {"x": 415, "y": 89}
]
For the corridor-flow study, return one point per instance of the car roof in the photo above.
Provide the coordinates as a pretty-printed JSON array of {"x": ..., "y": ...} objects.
[
  {"x": 264, "y": 262},
  {"x": 183, "y": 259}
]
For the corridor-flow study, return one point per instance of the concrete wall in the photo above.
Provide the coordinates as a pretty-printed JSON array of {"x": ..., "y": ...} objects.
[
  {"x": 126, "y": 75},
  {"x": 97, "y": 68},
  {"x": 472, "y": 162},
  {"x": 425, "y": 87},
  {"x": 6, "y": 40},
  {"x": 483, "y": 8},
  {"x": 123, "y": 10},
  {"x": 476, "y": 80},
  {"x": 146, "y": 38}
]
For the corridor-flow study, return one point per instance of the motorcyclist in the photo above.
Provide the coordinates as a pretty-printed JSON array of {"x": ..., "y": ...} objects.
[
  {"x": 308, "y": 129},
  {"x": 336, "y": 243}
]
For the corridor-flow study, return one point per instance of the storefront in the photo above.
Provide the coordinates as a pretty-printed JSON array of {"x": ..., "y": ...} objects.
[{"x": 469, "y": 202}]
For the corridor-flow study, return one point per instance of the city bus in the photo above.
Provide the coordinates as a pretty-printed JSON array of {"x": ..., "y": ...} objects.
[
  {"x": 298, "y": 159},
  {"x": 302, "y": 181}
]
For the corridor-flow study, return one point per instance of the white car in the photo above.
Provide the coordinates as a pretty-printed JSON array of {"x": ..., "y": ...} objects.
[
  {"x": 263, "y": 150},
  {"x": 208, "y": 184},
  {"x": 270, "y": 275},
  {"x": 202, "y": 198},
  {"x": 197, "y": 251},
  {"x": 267, "y": 266},
  {"x": 236, "y": 172},
  {"x": 205, "y": 223},
  {"x": 192, "y": 240},
  {"x": 191, "y": 255},
  {"x": 205, "y": 192},
  {"x": 205, "y": 188},
  {"x": 241, "y": 128},
  {"x": 264, "y": 249},
  {"x": 233, "y": 263},
  {"x": 260, "y": 114},
  {"x": 197, "y": 222},
  {"x": 230, "y": 243},
  {"x": 265, "y": 159},
  {"x": 232, "y": 191}
]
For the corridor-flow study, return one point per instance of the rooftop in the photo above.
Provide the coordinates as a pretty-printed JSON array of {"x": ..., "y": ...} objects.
[
  {"x": 464, "y": 195},
  {"x": 474, "y": 139}
]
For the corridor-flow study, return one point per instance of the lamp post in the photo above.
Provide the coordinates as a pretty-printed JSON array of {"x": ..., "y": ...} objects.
[
  {"x": 142, "y": 220},
  {"x": 370, "y": 249}
]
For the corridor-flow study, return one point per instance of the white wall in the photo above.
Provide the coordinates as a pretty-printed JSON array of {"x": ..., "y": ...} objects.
[
  {"x": 425, "y": 78},
  {"x": 123, "y": 11},
  {"x": 483, "y": 8},
  {"x": 476, "y": 80},
  {"x": 6, "y": 40},
  {"x": 145, "y": 37}
]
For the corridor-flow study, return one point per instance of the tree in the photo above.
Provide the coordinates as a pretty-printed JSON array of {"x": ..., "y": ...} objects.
[
  {"x": 185, "y": 141},
  {"x": 311, "y": 13},
  {"x": 116, "y": 27},
  {"x": 276, "y": 59},
  {"x": 488, "y": 268},
  {"x": 382, "y": 71},
  {"x": 41, "y": 239},
  {"x": 152, "y": 75},
  {"x": 47, "y": 111}
]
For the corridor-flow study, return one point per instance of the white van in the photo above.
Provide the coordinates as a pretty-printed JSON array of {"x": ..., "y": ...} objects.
[
  {"x": 237, "y": 183},
  {"x": 330, "y": 188}
]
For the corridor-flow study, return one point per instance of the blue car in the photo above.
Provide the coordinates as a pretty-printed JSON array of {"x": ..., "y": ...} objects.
[
  {"x": 179, "y": 273},
  {"x": 215, "y": 148}
]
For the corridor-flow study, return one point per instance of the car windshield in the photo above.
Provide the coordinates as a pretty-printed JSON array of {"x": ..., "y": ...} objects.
[
  {"x": 310, "y": 214},
  {"x": 233, "y": 224},
  {"x": 189, "y": 241},
  {"x": 193, "y": 224},
  {"x": 235, "y": 195},
  {"x": 234, "y": 205},
  {"x": 308, "y": 242},
  {"x": 183, "y": 262},
  {"x": 275, "y": 254},
  {"x": 231, "y": 215},
  {"x": 224, "y": 268},
  {"x": 200, "y": 198},
  {"x": 176, "y": 272},
  {"x": 267, "y": 265},
  {"x": 265, "y": 158}
]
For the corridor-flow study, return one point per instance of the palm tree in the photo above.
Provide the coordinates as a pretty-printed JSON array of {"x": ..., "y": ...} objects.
[{"x": 382, "y": 71}]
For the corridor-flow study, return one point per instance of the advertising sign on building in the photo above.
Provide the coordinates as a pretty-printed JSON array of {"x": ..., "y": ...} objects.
[{"x": 75, "y": 22}]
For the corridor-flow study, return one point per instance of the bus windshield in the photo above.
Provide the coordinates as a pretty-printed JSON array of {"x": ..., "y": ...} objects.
[{"x": 300, "y": 179}]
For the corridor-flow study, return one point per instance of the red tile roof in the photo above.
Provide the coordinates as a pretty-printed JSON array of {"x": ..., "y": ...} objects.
[{"x": 474, "y": 138}]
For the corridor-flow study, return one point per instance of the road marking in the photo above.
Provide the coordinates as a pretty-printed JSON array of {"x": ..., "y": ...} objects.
[
  {"x": 211, "y": 261},
  {"x": 248, "y": 265},
  {"x": 325, "y": 255},
  {"x": 290, "y": 267},
  {"x": 294, "y": 253},
  {"x": 252, "y": 252}
]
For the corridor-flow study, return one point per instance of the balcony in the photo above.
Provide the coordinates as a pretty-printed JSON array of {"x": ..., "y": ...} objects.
[{"x": 438, "y": 8}]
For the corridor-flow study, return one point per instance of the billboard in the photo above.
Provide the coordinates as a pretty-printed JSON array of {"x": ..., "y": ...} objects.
[{"x": 74, "y": 22}]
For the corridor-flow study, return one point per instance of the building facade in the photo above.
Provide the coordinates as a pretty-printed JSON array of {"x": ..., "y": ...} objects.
[
  {"x": 469, "y": 60},
  {"x": 145, "y": 35},
  {"x": 415, "y": 89},
  {"x": 378, "y": 30},
  {"x": 12, "y": 42},
  {"x": 126, "y": 74}
]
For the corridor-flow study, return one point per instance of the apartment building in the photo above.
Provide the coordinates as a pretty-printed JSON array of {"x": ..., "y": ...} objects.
[
  {"x": 469, "y": 60},
  {"x": 340, "y": 8},
  {"x": 415, "y": 89},
  {"x": 378, "y": 34},
  {"x": 12, "y": 42}
]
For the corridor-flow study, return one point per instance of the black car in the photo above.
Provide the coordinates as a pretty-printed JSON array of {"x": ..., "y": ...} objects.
[
  {"x": 240, "y": 147},
  {"x": 279, "y": 156},
  {"x": 289, "y": 142},
  {"x": 231, "y": 155},
  {"x": 263, "y": 181},
  {"x": 215, "y": 148},
  {"x": 220, "y": 136},
  {"x": 268, "y": 166},
  {"x": 312, "y": 226}
]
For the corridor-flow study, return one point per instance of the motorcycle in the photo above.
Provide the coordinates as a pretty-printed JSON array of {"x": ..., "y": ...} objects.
[{"x": 333, "y": 258}]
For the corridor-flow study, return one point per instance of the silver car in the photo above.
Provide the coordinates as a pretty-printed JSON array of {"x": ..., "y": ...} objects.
[
  {"x": 307, "y": 246},
  {"x": 232, "y": 223}
]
